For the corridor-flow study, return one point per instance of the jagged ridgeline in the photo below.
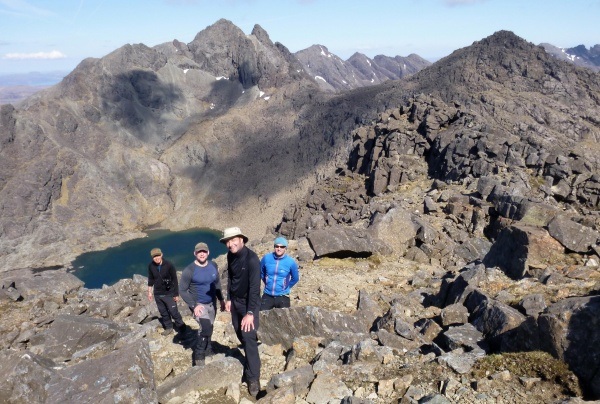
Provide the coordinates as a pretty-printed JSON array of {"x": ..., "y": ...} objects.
[{"x": 463, "y": 197}]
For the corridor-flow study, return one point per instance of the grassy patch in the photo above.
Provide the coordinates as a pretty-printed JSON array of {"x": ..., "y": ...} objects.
[{"x": 530, "y": 364}]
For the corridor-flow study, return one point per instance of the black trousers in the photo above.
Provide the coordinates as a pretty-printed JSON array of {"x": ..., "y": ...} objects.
[
  {"x": 167, "y": 307},
  {"x": 248, "y": 339},
  {"x": 269, "y": 302}
]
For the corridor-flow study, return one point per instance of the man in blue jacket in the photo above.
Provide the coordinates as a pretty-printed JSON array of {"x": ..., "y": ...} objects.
[{"x": 279, "y": 273}]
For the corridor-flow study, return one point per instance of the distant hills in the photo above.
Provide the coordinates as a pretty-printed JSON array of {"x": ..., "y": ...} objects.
[
  {"x": 579, "y": 55},
  {"x": 330, "y": 72},
  {"x": 16, "y": 87},
  {"x": 334, "y": 74}
]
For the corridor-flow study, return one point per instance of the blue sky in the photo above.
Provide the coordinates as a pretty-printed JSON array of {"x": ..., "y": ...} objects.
[{"x": 54, "y": 35}]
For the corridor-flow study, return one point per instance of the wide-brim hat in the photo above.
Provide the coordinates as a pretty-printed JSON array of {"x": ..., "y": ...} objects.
[{"x": 232, "y": 232}]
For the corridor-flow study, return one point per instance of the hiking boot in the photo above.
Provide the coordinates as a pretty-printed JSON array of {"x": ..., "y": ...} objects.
[
  {"x": 167, "y": 332},
  {"x": 253, "y": 387},
  {"x": 198, "y": 360}
]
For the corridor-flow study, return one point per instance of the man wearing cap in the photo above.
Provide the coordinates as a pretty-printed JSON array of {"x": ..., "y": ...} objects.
[
  {"x": 200, "y": 287},
  {"x": 162, "y": 280},
  {"x": 279, "y": 273},
  {"x": 243, "y": 300}
]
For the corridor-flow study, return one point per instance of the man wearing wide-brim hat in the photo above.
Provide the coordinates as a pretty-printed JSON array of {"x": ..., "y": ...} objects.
[{"x": 243, "y": 300}]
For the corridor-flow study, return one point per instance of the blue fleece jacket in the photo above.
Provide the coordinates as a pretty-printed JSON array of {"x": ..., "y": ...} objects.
[{"x": 278, "y": 274}]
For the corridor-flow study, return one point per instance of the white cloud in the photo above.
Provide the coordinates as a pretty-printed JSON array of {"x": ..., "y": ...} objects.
[{"x": 36, "y": 55}]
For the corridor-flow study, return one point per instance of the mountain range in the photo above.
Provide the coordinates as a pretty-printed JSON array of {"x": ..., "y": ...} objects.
[
  {"x": 231, "y": 128},
  {"x": 452, "y": 212},
  {"x": 329, "y": 71}
]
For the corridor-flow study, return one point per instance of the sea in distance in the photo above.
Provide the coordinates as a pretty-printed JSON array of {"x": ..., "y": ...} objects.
[{"x": 107, "y": 267}]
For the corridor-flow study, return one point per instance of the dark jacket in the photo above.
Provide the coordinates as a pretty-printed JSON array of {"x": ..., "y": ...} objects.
[
  {"x": 243, "y": 270},
  {"x": 156, "y": 277}
]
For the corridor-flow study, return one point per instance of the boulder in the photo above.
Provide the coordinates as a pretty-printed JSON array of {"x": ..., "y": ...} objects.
[
  {"x": 327, "y": 388},
  {"x": 212, "y": 376},
  {"x": 492, "y": 317},
  {"x": 124, "y": 375},
  {"x": 456, "y": 290},
  {"x": 571, "y": 332},
  {"x": 532, "y": 305},
  {"x": 340, "y": 242},
  {"x": 572, "y": 235},
  {"x": 465, "y": 337},
  {"x": 520, "y": 247},
  {"x": 54, "y": 284},
  {"x": 454, "y": 314},
  {"x": 24, "y": 376},
  {"x": 69, "y": 334},
  {"x": 396, "y": 228},
  {"x": 298, "y": 379},
  {"x": 282, "y": 326}
]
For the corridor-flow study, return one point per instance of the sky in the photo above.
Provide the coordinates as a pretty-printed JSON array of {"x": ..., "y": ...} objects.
[{"x": 56, "y": 35}]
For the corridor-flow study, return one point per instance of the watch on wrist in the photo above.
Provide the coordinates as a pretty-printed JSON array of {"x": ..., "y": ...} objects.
[{"x": 249, "y": 312}]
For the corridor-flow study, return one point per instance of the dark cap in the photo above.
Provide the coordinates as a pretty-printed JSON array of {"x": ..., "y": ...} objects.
[{"x": 201, "y": 247}]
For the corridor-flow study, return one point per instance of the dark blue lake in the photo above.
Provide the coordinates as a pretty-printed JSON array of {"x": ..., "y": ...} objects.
[{"x": 132, "y": 257}]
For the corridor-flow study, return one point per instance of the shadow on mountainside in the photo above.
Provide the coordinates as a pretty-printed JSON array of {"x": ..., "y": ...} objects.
[
  {"x": 259, "y": 156},
  {"x": 137, "y": 99}
]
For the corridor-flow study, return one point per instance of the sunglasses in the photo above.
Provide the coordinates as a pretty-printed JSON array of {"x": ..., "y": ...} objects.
[{"x": 279, "y": 246}]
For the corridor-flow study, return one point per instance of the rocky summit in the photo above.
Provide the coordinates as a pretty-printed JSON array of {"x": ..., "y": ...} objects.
[{"x": 446, "y": 225}]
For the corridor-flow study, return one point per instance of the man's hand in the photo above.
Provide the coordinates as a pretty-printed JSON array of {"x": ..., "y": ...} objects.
[
  {"x": 149, "y": 296},
  {"x": 198, "y": 310},
  {"x": 228, "y": 305},
  {"x": 248, "y": 322},
  {"x": 176, "y": 298}
]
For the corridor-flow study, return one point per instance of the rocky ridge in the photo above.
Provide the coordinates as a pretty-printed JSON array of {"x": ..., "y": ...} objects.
[{"x": 451, "y": 257}]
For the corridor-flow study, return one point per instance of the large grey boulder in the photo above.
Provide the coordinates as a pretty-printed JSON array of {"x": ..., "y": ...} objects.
[
  {"x": 520, "y": 247},
  {"x": 212, "y": 376},
  {"x": 53, "y": 284},
  {"x": 396, "y": 228},
  {"x": 571, "y": 332},
  {"x": 124, "y": 375},
  {"x": 23, "y": 377},
  {"x": 456, "y": 290},
  {"x": 493, "y": 318},
  {"x": 298, "y": 379},
  {"x": 327, "y": 388},
  {"x": 282, "y": 326},
  {"x": 68, "y": 335},
  {"x": 465, "y": 337},
  {"x": 340, "y": 241},
  {"x": 573, "y": 235}
]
